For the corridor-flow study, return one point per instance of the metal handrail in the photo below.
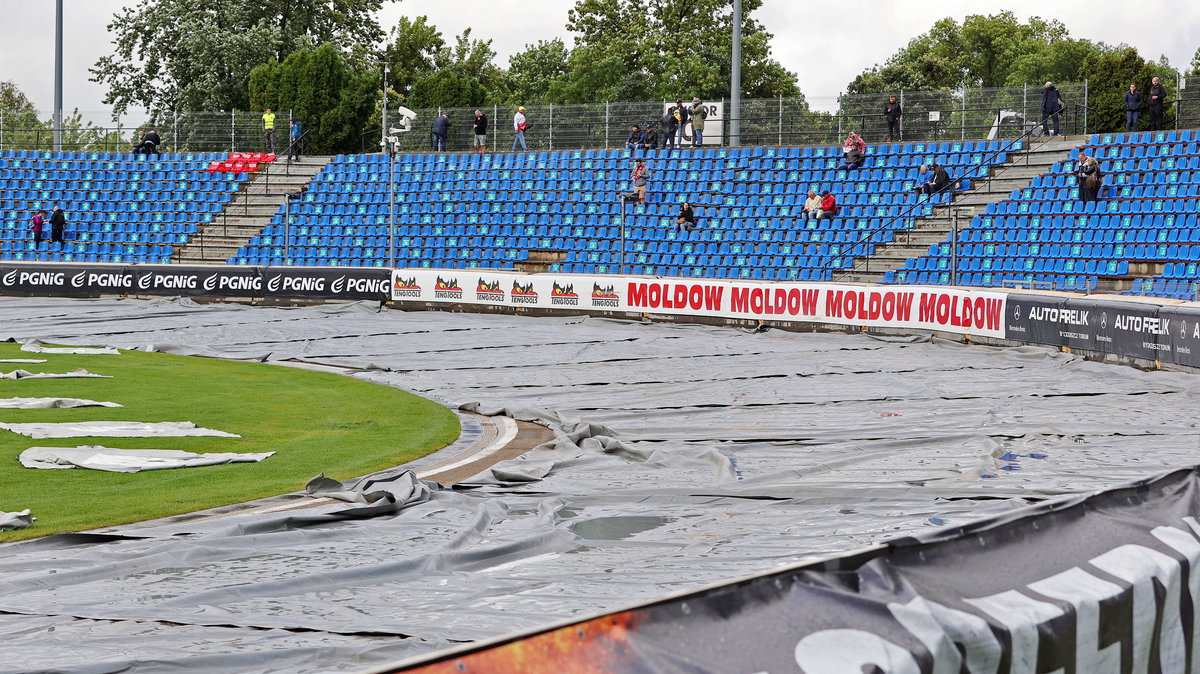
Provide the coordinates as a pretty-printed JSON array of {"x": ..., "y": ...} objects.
[{"x": 970, "y": 175}]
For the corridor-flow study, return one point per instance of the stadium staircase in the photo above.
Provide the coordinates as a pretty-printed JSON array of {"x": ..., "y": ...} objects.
[
  {"x": 251, "y": 209},
  {"x": 934, "y": 229}
]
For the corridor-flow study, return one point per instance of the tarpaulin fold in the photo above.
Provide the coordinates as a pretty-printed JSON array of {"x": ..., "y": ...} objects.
[{"x": 97, "y": 457}]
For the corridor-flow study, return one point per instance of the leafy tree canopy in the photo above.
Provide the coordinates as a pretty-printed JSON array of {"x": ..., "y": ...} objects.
[{"x": 191, "y": 55}]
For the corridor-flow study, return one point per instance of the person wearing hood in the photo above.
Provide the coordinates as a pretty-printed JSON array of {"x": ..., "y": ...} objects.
[
  {"x": 1052, "y": 105},
  {"x": 698, "y": 115}
]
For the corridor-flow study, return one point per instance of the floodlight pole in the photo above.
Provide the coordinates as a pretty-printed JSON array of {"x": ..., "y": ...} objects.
[
  {"x": 383, "y": 132},
  {"x": 58, "y": 76},
  {"x": 621, "y": 266},
  {"x": 735, "y": 93},
  {"x": 391, "y": 203}
]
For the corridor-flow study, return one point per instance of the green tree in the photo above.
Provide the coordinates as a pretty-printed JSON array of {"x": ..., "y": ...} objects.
[
  {"x": 984, "y": 51},
  {"x": 331, "y": 94},
  {"x": 188, "y": 55},
  {"x": 538, "y": 74},
  {"x": 1109, "y": 74},
  {"x": 411, "y": 53},
  {"x": 656, "y": 49}
]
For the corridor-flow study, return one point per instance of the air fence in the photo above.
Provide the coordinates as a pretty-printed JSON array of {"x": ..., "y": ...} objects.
[{"x": 963, "y": 114}]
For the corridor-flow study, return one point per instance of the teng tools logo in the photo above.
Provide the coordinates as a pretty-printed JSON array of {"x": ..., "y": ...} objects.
[
  {"x": 564, "y": 295},
  {"x": 447, "y": 289},
  {"x": 407, "y": 287},
  {"x": 489, "y": 291},
  {"x": 604, "y": 297},
  {"x": 523, "y": 294}
]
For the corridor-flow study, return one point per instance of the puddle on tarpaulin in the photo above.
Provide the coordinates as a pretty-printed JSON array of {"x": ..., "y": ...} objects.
[{"x": 616, "y": 528}]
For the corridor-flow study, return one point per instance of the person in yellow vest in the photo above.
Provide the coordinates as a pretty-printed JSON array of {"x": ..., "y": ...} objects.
[{"x": 269, "y": 131}]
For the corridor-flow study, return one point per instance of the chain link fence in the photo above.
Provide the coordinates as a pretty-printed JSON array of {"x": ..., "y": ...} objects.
[{"x": 964, "y": 114}]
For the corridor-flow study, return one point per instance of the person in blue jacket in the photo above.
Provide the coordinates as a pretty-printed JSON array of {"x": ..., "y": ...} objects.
[
  {"x": 1133, "y": 107},
  {"x": 441, "y": 127},
  {"x": 1052, "y": 105}
]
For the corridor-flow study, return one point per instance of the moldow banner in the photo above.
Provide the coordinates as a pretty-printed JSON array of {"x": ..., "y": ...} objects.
[
  {"x": 1105, "y": 583},
  {"x": 179, "y": 280},
  {"x": 974, "y": 312}
]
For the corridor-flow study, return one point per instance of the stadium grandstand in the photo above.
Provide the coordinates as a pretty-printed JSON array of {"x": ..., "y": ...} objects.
[{"x": 561, "y": 211}]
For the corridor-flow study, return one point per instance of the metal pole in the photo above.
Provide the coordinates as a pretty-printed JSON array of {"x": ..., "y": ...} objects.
[
  {"x": 58, "y": 76},
  {"x": 735, "y": 87},
  {"x": 384, "y": 131},
  {"x": 621, "y": 266},
  {"x": 962, "y": 123},
  {"x": 232, "y": 130},
  {"x": 391, "y": 206},
  {"x": 551, "y": 126},
  {"x": 1024, "y": 107},
  {"x": 903, "y": 114},
  {"x": 954, "y": 251},
  {"x": 780, "y": 141},
  {"x": 1085, "y": 106},
  {"x": 175, "y": 130},
  {"x": 287, "y": 229},
  {"x": 605, "y": 125}
]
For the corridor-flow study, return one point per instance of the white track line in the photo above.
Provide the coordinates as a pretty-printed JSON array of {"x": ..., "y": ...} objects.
[{"x": 508, "y": 434}]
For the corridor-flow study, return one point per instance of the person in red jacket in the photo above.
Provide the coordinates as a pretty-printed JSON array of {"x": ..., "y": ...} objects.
[{"x": 829, "y": 207}]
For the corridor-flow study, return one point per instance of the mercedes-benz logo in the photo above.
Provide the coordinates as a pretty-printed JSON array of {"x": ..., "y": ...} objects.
[
  {"x": 1182, "y": 329},
  {"x": 1016, "y": 312},
  {"x": 1104, "y": 321}
]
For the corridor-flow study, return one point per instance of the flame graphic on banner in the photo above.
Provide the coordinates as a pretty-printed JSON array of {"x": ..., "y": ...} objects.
[
  {"x": 563, "y": 291},
  {"x": 525, "y": 290},
  {"x": 608, "y": 292},
  {"x": 599, "y": 646},
  {"x": 486, "y": 287},
  {"x": 452, "y": 284}
]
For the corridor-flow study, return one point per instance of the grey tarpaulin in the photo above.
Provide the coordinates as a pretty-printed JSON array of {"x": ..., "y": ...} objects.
[
  {"x": 36, "y": 346},
  {"x": 43, "y": 403},
  {"x": 682, "y": 455},
  {"x": 114, "y": 429},
  {"x": 74, "y": 374},
  {"x": 22, "y": 360},
  {"x": 97, "y": 457},
  {"x": 17, "y": 520}
]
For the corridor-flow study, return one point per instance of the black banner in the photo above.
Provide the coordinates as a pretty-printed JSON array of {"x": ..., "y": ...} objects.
[
  {"x": 1102, "y": 583},
  {"x": 1155, "y": 332},
  {"x": 331, "y": 283}
]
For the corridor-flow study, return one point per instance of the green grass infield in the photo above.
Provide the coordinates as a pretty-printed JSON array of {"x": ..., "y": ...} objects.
[{"x": 314, "y": 421}]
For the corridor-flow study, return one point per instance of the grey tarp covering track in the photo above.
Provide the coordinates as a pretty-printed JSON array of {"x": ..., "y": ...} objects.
[
  {"x": 74, "y": 374},
  {"x": 684, "y": 455},
  {"x": 113, "y": 429},
  {"x": 36, "y": 346},
  {"x": 44, "y": 403},
  {"x": 17, "y": 520},
  {"x": 97, "y": 457}
]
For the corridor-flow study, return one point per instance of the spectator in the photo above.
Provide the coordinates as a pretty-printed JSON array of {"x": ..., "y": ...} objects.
[
  {"x": 939, "y": 181},
  {"x": 39, "y": 221},
  {"x": 650, "y": 138},
  {"x": 519, "y": 126},
  {"x": 854, "y": 152},
  {"x": 668, "y": 129},
  {"x": 58, "y": 223},
  {"x": 811, "y": 206},
  {"x": 634, "y": 141},
  {"x": 268, "y": 120},
  {"x": 829, "y": 207},
  {"x": 294, "y": 140},
  {"x": 893, "y": 112},
  {"x": 641, "y": 174},
  {"x": 1133, "y": 107},
  {"x": 479, "y": 126},
  {"x": 923, "y": 178},
  {"x": 1158, "y": 97},
  {"x": 1052, "y": 105},
  {"x": 1090, "y": 178},
  {"x": 681, "y": 120},
  {"x": 296, "y": 195},
  {"x": 686, "y": 220},
  {"x": 148, "y": 145},
  {"x": 441, "y": 127},
  {"x": 698, "y": 115}
]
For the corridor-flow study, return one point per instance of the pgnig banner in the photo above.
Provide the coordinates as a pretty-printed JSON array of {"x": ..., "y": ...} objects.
[
  {"x": 1105, "y": 583},
  {"x": 338, "y": 283},
  {"x": 923, "y": 308}
]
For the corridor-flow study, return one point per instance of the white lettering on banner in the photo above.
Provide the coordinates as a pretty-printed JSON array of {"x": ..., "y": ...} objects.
[
  {"x": 337, "y": 285},
  {"x": 1147, "y": 324},
  {"x": 377, "y": 286},
  {"x": 273, "y": 283},
  {"x": 1057, "y": 315},
  {"x": 11, "y": 277},
  {"x": 303, "y": 284},
  {"x": 172, "y": 281},
  {"x": 1144, "y": 569},
  {"x": 1020, "y": 615},
  {"x": 111, "y": 280},
  {"x": 210, "y": 282},
  {"x": 238, "y": 283},
  {"x": 841, "y": 651},
  {"x": 78, "y": 280},
  {"x": 1085, "y": 592},
  {"x": 945, "y": 631},
  {"x": 1187, "y": 545},
  {"x": 42, "y": 278}
]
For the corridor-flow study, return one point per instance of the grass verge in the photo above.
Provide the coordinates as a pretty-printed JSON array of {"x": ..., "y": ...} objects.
[{"x": 315, "y": 422}]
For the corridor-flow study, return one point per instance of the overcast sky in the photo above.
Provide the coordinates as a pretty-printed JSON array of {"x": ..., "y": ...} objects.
[{"x": 825, "y": 43}]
